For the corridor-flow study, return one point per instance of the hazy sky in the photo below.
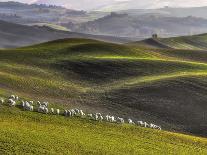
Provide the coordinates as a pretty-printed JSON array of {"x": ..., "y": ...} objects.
[{"x": 92, "y": 4}]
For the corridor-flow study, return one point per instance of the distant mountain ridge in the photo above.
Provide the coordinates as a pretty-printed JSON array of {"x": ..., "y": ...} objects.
[
  {"x": 145, "y": 25},
  {"x": 33, "y": 13},
  {"x": 200, "y": 12},
  {"x": 132, "y": 23}
]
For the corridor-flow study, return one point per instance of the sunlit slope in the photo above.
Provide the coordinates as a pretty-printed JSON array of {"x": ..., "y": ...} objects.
[
  {"x": 32, "y": 133},
  {"x": 194, "y": 42},
  {"x": 164, "y": 86}
]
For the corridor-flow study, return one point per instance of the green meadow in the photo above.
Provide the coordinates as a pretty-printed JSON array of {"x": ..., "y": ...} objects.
[
  {"x": 24, "y": 132},
  {"x": 145, "y": 83}
]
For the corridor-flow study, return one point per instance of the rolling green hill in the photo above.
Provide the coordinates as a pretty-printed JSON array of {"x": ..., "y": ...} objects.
[
  {"x": 195, "y": 42},
  {"x": 159, "y": 85}
]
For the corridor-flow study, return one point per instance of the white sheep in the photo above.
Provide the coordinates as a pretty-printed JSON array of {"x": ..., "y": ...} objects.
[
  {"x": 107, "y": 118},
  {"x": 16, "y": 97},
  {"x": 153, "y": 126},
  {"x": 12, "y": 97},
  {"x": 66, "y": 112},
  {"x": 130, "y": 121},
  {"x": 159, "y": 128},
  {"x": 140, "y": 123},
  {"x": 22, "y": 103},
  {"x": 52, "y": 111},
  {"x": 77, "y": 111},
  {"x": 111, "y": 119},
  {"x": 11, "y": 102},
  {"x": 46, "y": 110},
  {"x": 58, "y": 111},
  {"x": 43, "y": 109},
  {"x": 146, "y": 125},
  {"x": 101, "y": 118},
  {"x": 69, "y": 113},
  {"x": 98, "y": 116},
  {"x": 73, "y": 113},
  {"x": 120, "y": 120},
  {"x": 26, "y": 105},
  {"x": 39, "y": 103},
  {"x": 45, "y": 103},
  {"x": 31, "y": 108},
  {"x": 82, "y": 114},
  {"x": 1, "y": 100}
]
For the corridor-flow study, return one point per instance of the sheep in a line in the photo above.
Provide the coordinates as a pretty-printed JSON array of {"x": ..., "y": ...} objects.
[
  {"x": 74, "y": 112},
  {"x": 43, "y": 108},
  {"x": 146, "y": 125}
]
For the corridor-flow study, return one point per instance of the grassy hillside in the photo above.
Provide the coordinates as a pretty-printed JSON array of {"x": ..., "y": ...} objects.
[
  {"x": 195, "y": 42},
  {"x": 32, "y": 133},
  {"x": 164, "y": 86}
]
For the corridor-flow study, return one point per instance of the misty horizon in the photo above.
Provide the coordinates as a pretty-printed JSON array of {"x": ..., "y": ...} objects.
[{"x": 114, "y": 5}]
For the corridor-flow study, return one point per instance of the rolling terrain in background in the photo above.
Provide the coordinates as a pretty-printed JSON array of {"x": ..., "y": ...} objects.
[
  {"x": 195, "y": 42},
  {"x": 125, "y": 22},
  {"x": 21, "y": 13},
  {"x": 142, "y": 26},
  {"x": 16, "y": 35}
]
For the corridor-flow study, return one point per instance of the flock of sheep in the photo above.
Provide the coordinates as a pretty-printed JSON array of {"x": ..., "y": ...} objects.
[{"x": 44, "y": 108}]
